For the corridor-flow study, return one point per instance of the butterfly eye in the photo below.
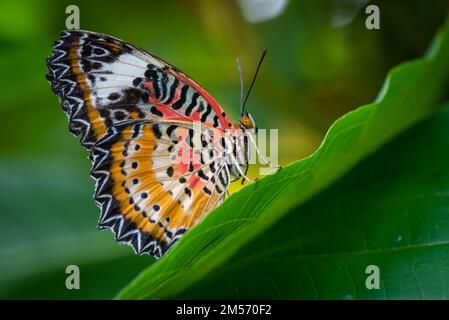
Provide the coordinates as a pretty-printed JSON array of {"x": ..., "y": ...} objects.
[{"x": 246, "y": 121}]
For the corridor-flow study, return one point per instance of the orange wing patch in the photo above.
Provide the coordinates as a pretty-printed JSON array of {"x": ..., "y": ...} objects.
[
  {"x": 93, "y": 116},
  {"x": 148, "y": 197}
]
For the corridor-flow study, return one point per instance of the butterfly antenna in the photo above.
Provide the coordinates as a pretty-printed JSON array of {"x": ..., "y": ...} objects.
[
  {"x": 239, "y": 68},
  {"x": 254, "y": 79}
]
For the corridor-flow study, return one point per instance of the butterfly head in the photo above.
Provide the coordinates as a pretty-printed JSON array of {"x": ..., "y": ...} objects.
[{"x": 246, "y": 122}]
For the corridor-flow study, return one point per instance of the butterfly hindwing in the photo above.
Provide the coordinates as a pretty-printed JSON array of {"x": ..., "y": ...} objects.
[
  {"x": 154, "y": 181},
  {"x": 102, "y": 81}
]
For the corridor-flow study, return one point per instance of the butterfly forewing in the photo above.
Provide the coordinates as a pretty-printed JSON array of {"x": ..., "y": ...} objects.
[{"x": 102, "y": 80}]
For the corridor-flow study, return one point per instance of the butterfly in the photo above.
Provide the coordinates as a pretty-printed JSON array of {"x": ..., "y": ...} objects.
[{"x": 163, "y": 150}]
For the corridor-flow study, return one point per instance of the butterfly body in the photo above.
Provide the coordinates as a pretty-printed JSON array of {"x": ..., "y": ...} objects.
[{"x": 163, "y": 150}]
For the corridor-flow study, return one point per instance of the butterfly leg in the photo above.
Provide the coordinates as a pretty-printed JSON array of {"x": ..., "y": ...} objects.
[
  {"x": 239, "y": 169},
  {"x": 264, "y": 161}
]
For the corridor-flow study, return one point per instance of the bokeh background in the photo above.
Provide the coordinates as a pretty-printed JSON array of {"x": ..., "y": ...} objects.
[{"x": 322, "y": 62}]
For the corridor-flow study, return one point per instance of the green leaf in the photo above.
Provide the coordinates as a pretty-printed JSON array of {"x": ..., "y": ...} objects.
[
  {"x": 390, "y": 211},
  {"x": 406, "y": 98}
]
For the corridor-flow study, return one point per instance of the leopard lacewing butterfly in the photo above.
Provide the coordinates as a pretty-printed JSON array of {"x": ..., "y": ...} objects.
[{"x": 156, "y": 172}]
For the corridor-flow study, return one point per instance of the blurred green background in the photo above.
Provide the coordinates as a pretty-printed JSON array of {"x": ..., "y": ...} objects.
[{"x": 322, "y": 62}]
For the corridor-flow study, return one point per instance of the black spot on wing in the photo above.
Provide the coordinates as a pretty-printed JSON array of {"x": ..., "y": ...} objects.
[
  {"x": 182, "y": 99},
  {"x": 156, "y": 111},
  {"x": 192, "y": 104},
  {"x": 202, "y": 175},
  {"x": 191, "y": 138},
  {"x": 156, "y": 131},
  {"x": 170, "y": 171},
  {"x": 114, "y": 96},
  {"x": 137, "y": 82},
  {"x": 170, "y": 129},
  {"x": 206, "y": 113},
  {"x": 215, "y": 124}
]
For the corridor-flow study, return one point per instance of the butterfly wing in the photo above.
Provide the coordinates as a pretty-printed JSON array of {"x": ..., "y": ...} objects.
[
  {"x": 154, "y": 181},
  {"x": 101, "y": 81}
]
